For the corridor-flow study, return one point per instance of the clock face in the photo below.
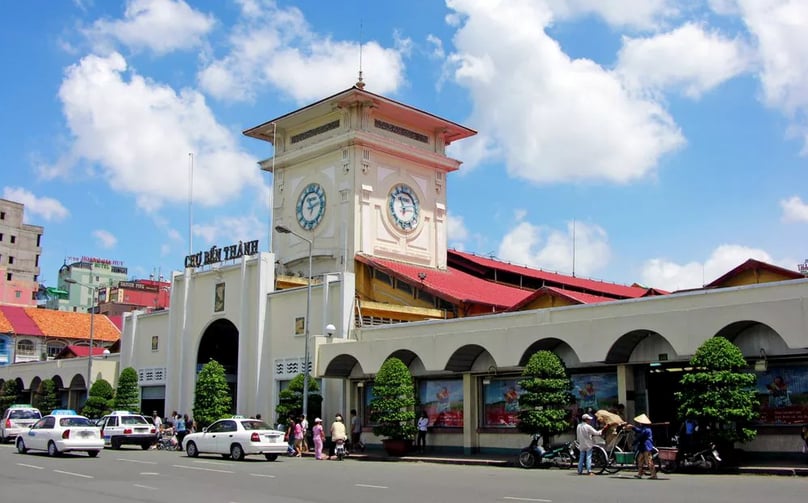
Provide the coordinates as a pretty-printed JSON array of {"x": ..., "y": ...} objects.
[
  {"x": 404, "y": 207},
  {"x": 311, "y": 206}
]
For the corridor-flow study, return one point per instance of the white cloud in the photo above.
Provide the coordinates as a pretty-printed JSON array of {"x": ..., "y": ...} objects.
[
  {"x": 794, "y": 210},
  {"x": 657, "y": 62},
  {"x": 780, "y": 28},
  {"x": 160, "y": 25},
  {"x": 275, "y": 46},
  {"x": 632, "y": 13},
  {"x": 48, "y": 208},
  {"x": 139, "y": 134},
  {"x": 552, "y": 249},
  {"x": 556, "y": 119},
  {"x": 667, "y": 275},
  {"x": 456, "y": 231},
  {"x": 230, "y": 230},
  {"x": 105, "y": 239}
]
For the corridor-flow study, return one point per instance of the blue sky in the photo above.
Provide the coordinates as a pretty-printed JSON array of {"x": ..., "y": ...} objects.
[{"x": 668, "y": 138}]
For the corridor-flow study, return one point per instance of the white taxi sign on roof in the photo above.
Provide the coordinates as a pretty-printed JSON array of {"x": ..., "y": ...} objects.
[{"x": 63, "y": 412}]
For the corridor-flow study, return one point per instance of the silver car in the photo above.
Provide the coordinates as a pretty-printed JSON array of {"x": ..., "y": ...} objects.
[{"x": 16, "y": 421}]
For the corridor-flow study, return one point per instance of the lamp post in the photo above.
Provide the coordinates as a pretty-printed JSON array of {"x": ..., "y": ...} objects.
[
  {"x": 285, "y": 230},
  {"x": 92, "y": 328}
]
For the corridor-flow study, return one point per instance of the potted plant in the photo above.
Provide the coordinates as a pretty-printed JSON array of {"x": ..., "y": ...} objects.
[{"x": 392, "y": 407}]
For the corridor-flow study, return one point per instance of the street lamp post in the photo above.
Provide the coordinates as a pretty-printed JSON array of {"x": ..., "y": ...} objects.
[
  {"x": 92, "y": 328},
  {"x": 285, "y": 230}
]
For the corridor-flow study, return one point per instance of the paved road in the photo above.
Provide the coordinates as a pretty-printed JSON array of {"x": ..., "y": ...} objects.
[{"x": 132, "y": 475}]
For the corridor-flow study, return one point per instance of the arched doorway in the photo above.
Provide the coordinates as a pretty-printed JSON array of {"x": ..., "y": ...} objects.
[{"x": 220, "y": 343}]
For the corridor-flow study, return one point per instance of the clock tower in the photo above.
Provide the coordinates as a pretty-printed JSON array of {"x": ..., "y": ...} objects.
[{"x": 359, "y": 173}]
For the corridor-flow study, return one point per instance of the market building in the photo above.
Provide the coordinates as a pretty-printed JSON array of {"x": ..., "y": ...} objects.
[{"x": 359, "y": 270}]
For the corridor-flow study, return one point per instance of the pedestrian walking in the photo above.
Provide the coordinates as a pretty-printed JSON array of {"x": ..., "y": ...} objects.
[
  {"x": 644, "y": 445},
  {"x": 585, "y": 435},
  {"x": 356, "y": 432},
  {"x": 319, "y": 438},
  {"x": 423, "y": 427}
]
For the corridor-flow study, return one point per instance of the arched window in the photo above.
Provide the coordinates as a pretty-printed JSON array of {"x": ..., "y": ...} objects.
[
  {"x": 54, "y": 348},
  {"x": 25, "y": 347}
]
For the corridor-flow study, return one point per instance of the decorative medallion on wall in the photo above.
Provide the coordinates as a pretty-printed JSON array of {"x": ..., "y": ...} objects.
[
  {"x": 311, "y": 206},
  {"x": 218, "y": 298},
  {"x": 404, "y": 207}
]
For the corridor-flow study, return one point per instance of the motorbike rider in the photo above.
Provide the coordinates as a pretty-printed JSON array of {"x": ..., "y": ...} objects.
[
  {"x": 585, "y": 435},
  {"x": 337, "y": 432}
]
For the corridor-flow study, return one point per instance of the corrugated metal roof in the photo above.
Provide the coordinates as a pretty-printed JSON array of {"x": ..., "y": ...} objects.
[
  {"x": 614, "y": 290},
  {"x": 456, "y": 286}
]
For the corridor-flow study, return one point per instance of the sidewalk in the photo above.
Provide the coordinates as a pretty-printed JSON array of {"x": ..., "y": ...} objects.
[{"x": 757, "y": 467}]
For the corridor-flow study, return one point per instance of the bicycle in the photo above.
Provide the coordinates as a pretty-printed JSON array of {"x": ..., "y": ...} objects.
[{"x": 618, "y": 454}]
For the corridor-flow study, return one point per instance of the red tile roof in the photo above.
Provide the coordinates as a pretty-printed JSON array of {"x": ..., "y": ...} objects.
[
  {"x": 79, "y": 352},
  {"x": 21, "y": 322},
  {"x": 451, "y": 284},
  {"x": 614, "y": 290},
  {"x": 50, "y": 323}
]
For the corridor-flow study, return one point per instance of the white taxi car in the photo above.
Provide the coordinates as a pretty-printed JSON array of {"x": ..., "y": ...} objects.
[
  {"x": 16, "y": 420},
  {"x": 62, "y": 431},
  {"x": 236, "y": 438},
  {"x": 126, "y": 428}
]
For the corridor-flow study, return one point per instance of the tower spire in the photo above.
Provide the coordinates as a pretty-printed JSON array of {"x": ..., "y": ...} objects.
[{"x": 360, "y": 84}]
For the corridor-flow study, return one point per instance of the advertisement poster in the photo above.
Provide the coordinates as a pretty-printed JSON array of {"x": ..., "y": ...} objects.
[
  {"x": 783, "y": 395},
  {"x": 501, "y": 403},
  {"x": 595, "y": 391},
  {"x": 443, "y": 402}
]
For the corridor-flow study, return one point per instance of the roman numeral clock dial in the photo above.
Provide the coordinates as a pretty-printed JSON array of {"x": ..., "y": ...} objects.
[
  {"x": 311, "y": 206},
  {"x": 404, "y": 207}
]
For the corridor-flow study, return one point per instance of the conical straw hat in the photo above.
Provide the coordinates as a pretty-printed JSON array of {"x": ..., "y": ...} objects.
[{"x": 642, "y": 419}]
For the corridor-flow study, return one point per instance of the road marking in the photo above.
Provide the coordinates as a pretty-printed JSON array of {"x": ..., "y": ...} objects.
[
  {"x": 74, "y": 474},
  {"x": 371, "y": 486},
  {"x": 527, "y": 499},
  {"x": 31, "y": 466},
  {"x": 137, "y": 461},
  {"x": 202, "y": 462},
  {"x": 145, "y": 487},
  {"x": 262, "y": 475},
  {"x": 150, "y": 473},
  {"x": 201, "y": 469}
]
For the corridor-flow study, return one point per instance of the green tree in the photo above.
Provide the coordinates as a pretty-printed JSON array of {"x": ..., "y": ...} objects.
[
  {"x": 718, "y": 393},
  {"x": 10, "y": 394},
  {"x": 290, "y": 400},
  {"x": 127, "y": 396},
  {"x": 212, "y": 394},
  {"x": 46, "y": 399},
  {"x": 546, "y": 393},
  {"x": 392, "y": 407},
  {"x": 99, "y": 403}
]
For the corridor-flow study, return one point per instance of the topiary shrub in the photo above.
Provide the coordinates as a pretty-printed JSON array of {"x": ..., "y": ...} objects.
[
  {"x": 212, "y": 395},
  {"x": 290, "y": 400},
  {"x": 719, "y": 394},
  {"x": 546, "y": 393},
  {"x": 99, "y": 403},
  {"x": 127, "y": 396},
  {"x": 392, "y": 407},
  {"x": 47, "y": 400}
]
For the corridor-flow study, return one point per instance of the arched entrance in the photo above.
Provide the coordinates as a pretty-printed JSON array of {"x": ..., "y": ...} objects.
[{"x": 220, "y": 343}]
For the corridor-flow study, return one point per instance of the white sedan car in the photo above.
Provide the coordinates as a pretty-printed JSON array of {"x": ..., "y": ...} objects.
[
  {"x": 236, "y": 438},
  {"x": 62, "y": 431}
]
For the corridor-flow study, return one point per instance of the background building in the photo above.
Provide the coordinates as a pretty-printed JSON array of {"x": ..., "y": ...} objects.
[
  {"x": 97, "y": 272},
  {"x": 20, "y": 248}
]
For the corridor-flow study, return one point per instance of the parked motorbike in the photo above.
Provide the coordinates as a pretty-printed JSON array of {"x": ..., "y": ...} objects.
[
  {"x": 689, "y": 457},
  {"x": 534, "y": 455}
]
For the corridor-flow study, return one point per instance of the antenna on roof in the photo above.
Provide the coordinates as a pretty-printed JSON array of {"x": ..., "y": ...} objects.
[
  {"x": 359, "y": 83},
  {"x": 573, "y": 247}
]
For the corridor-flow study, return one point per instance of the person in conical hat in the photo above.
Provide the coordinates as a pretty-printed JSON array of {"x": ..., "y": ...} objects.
[{"x": 644, "y": 445}]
